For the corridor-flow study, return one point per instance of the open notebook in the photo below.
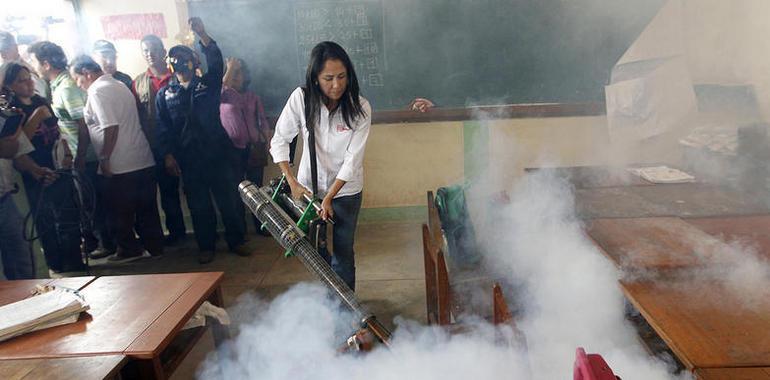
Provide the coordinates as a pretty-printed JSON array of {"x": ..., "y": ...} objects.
[{"x": 53, "y": 308}]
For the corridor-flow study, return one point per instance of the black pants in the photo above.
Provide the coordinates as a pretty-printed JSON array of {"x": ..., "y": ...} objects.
[
  {"x": 56, "y": 211},
  {"x": 170, "y": 202},
  {"x": 97, "y": 233},
  {"x": 251, "y": 173},
  {"x": 217, "y": 177},
  {"x": 132, "y": 202}
]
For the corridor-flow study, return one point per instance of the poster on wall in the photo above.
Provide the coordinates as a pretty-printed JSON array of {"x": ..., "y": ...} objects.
[{"x": 133, "y": 26}]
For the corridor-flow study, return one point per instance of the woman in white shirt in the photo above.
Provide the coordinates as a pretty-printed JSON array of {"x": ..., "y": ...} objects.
[{"x": 330, "y": 104}]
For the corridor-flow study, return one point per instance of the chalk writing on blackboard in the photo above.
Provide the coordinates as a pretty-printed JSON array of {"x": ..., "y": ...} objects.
[{"x": 357, "y": 26}]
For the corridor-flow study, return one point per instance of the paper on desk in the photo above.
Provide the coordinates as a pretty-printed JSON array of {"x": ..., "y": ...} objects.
[
  {"x": 207, "y": 310},
  {"x": 663, "y": 174},
  {"x": 49, "y": 309},
  {"x": 718, "y": 140}
]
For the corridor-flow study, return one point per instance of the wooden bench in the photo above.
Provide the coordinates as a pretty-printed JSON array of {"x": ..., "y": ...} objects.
[{"x": 442, "y": 303}]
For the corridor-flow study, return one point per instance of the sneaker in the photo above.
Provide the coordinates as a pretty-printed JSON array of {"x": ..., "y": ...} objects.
[
  {"x": 89, "y": 244},
  {"x": 100, "y": 253},
  {"x": 120, "y": 259},
  {"x": 241, "y": 250},
  {"x": 205, "y": 257}
]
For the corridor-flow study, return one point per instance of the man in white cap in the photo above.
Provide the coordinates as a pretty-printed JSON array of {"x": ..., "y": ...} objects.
[{"x": 105, "y": 54}]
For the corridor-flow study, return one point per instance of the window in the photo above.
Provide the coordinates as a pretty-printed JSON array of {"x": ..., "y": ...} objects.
[{"x": 41, "y": 20}]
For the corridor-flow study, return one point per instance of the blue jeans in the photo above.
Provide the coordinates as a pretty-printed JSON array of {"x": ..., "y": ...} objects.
[
  {"x": 343, "y": 235},
  {"x": 14, "y": 250}
]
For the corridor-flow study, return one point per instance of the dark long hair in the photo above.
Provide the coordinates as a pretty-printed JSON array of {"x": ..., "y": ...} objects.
[
  {"x": 350, "y": 103},
  {"x": 12, "y": 73}
]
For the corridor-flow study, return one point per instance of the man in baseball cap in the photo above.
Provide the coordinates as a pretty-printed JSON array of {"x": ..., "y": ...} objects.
[{"x": 105, "y": 54}]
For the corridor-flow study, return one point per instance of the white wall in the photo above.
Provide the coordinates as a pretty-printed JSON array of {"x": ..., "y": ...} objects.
[{"x": 130, "y": 59}]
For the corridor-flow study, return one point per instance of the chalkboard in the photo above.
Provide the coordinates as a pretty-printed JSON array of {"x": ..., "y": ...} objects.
[{"x": 455, "y": 52}]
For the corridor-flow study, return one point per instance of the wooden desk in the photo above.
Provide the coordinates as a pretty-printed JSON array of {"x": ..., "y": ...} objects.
[
  {"x": 690, "y": 200},
  {"x": 762, "y": 373},
  {"x": 753, "y": 231},
  {"x": 12, "y": 291},
  {"x": 660, "y": 244},
  {"x": 701, "y": 199},
  {"x": 85, "y": 368},
  {"x": 615, "y": 202},
  {"x": 137, "y": 316},
  {"x": 703, "y": 323},
  {"x": 591, "y": 177}
]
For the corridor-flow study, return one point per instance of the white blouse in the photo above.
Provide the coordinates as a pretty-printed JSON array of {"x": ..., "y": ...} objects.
[{"x": 339, "y": 150}]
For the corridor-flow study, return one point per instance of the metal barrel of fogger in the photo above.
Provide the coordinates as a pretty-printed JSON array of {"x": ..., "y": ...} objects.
[
  {"x": 297, "y": 207},
  {"x": 289, "y": 236}
]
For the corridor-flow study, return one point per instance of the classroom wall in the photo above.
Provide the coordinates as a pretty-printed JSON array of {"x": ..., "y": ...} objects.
[
  {"x": 405, "y": 160},
  {"x": 130, "y": 58}
]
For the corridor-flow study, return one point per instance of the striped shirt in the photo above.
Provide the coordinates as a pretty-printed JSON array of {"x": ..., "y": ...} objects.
[{"x": 67, "y": 101}]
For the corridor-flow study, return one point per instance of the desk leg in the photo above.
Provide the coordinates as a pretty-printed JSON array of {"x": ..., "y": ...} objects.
[{"x": 150, "y": 369}]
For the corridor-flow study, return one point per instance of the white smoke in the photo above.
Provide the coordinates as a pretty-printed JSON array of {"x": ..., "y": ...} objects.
[
  {"x": 296, "y": 337},
  {"x": 737, "y": 268},
  {"x": 569, "y": 296}
]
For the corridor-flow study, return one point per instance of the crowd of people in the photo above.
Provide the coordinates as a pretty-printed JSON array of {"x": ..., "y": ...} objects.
[{"x": 96, "y": 147}]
